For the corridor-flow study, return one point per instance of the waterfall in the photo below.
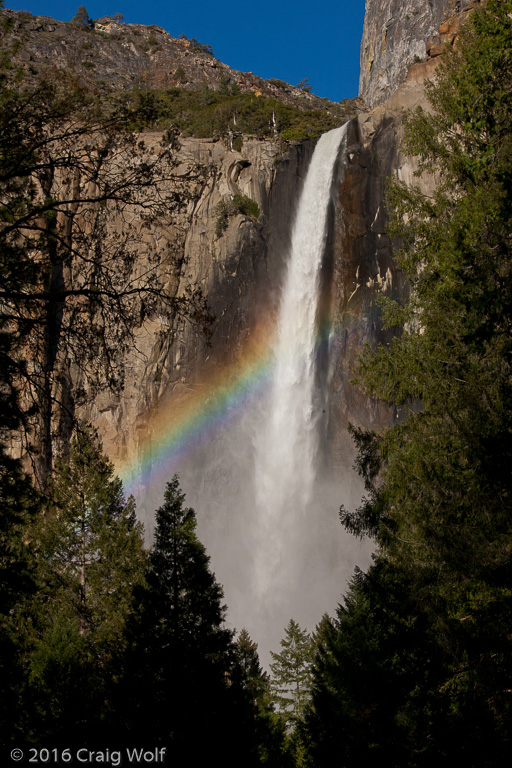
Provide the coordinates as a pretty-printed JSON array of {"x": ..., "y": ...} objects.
[
  {"x": 267, "y": 509},
  {"x": 286, "y": 440}
]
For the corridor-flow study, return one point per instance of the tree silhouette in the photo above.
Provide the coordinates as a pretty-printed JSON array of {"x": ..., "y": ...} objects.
[{"x": 178, "y": 673}]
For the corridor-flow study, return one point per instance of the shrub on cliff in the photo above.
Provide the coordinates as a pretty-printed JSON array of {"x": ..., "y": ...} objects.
[
  {"x": 247, "y": 207},
  {"x": 239, "y": 204},
  {"x": 208, "y": 113}
]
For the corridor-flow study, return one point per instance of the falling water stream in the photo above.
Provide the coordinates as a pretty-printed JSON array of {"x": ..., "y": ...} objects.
[
  {"x": 287, "y": 437},
  {"x": 267, "y": 501}
]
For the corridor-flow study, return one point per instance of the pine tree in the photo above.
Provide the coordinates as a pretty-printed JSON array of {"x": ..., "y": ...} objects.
[
  {"x": 177, "y": 675},
  {"x": 180, "y": 580},
  {"x": 264, "y": 728},
  {"x": 374, "y": 675},
  {"x": 291, "y": 673},
  {"x": 254, "y": 678},
  {"x": 90, "y": 557}
]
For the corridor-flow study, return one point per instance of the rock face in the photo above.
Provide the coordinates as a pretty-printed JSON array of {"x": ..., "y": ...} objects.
[
  {"x": 398, "y": 33},
  {"x": 238, "y": 270},
  {"x": 363, "y": 266}
]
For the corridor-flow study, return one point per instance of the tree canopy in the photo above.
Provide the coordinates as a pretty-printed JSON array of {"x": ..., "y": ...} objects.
[{"x": 77, "y": 190}]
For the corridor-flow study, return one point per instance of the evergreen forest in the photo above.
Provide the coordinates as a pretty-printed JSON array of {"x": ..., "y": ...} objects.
[{"x": 109, "y": 644}]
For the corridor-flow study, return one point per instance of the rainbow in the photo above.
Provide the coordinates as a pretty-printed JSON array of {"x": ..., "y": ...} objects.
[
  {"x": 188, "y": 419},
  {"x": 183, "y": 422}
]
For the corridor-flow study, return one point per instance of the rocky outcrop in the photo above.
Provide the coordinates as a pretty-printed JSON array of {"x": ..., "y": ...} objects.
[
  {"x": 117, "y": 56},
  {"x": 398, "y": 33},
  {"x": 363, "y": 265}
]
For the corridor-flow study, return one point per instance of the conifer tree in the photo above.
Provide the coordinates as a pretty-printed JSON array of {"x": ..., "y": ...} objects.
[
  {"x": 291, "y": 672},
  {"x": 177, "y": 675},
  {"x": 439, "y": 481},
  {"x": 255, "y": 679},
  {"x": 264, "y": 728},
  {"x": 180, "y": 580},
  {"x": 374, "y": 675},
  {"x": 89, "y": 557}
]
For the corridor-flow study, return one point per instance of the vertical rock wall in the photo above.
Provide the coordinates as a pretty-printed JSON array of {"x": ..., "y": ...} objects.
[
  {"x": 363, "y": 266},
  {"x": 396, "y": 34},
  {"x": 238, "y": 271}
]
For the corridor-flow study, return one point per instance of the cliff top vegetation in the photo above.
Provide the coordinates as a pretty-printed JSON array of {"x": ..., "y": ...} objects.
[{"x": 189, "y": 86}]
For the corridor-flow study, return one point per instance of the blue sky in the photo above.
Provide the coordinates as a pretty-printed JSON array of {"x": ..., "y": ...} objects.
[{"x": 283, "y": 39}]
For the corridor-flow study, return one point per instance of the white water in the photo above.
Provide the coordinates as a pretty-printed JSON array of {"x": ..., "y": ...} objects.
[
  {"x": 287, "y": 438},
  {"x": 267, "y": 510}
]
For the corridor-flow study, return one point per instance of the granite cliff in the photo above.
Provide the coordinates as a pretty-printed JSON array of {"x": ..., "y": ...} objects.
[
  {"x": 398, "y": 33},
  {"x": 238, "y": 266}
]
